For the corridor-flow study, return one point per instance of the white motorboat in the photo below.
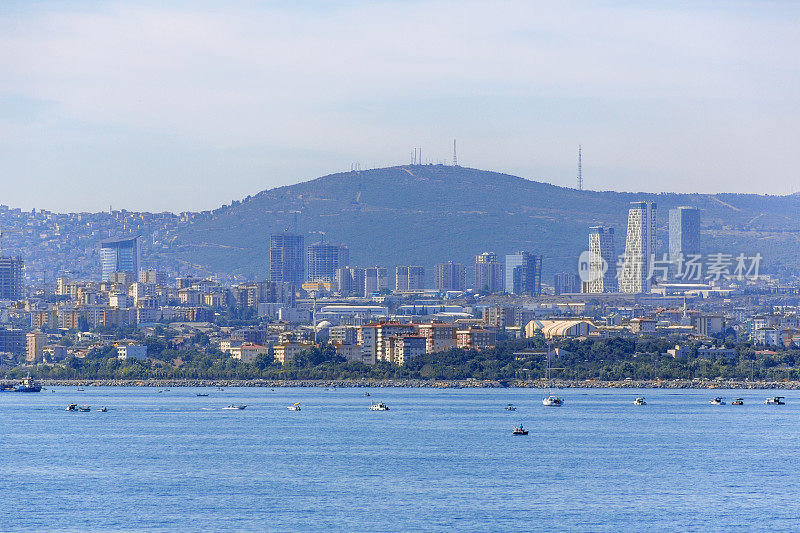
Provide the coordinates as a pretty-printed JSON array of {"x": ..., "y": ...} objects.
[
  {"x": 552, "y": 401},
  {"x": 235, "y": 407},
  {"x": 511, "y": 407},
  {"x": 380, "y": 406},
  {"x": 639, "y": 401},
  {"x": 775, "y": 400},
  {"x": 717, "y": 401},
  {"x": 103, "y": 409},
  {"x": 294, "y": 407}
]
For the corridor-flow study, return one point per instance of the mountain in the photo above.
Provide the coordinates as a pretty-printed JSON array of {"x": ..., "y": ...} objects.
[{"x": 424, "y": 214}]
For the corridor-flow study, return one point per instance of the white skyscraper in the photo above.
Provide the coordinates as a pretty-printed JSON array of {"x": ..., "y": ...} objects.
[
  {"x": 603, "y": 261},
  {"x": 640, "y": 246}
]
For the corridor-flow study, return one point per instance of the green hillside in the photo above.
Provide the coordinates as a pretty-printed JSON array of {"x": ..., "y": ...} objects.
[{"x": 426, "y": 214}]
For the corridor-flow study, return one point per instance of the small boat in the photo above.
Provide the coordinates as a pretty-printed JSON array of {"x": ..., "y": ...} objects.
[
  {"x": 380, "y": 406},
  {"x": 80, "y": 389},
  {"x": 72, "y": 407},
  {"x": 84, "y": 408},
  {"x": 519, "y": 430},
  {"x": 367, "y": 395},
  {"x": 294, "y": 407},
  {"x": 639, "y": 401},
  {"x": 552, "y": 401},
  {"x": 511, "y": 407},
  {"x": 202, "y": 394},
  {"x": 233, "y": 407},
  {"x": 103, "y": 409},
  {"x": 220, "y": 389},
  {"x": 717, "y": 401},
  {"x": 738, "y": 401},
  {"x": 775, "y": 400},
  {"x": 28, "y": 385}
]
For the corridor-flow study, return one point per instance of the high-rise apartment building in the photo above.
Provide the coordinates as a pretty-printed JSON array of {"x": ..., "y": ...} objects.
[
  {"x": 324, "y": 259},
  {"x": 350, "y": 281},
  {"x": 450, "y": 277},
  {"x": 11, "y": 287},
  {"x": 684, "y": 233},
  {"x": 286, "y": 259},
  {"x": 409, "y": 278},
  {"x": 640, "y": 246},
  {"x": 488, "y": 272},
  {"x": 524, "y": 274},
  {"x": 120, "y": 255},
  {"x": 602, "y": 261},
  {"x": 376, "y": 279},
  {"x": 566, "y": 283}
]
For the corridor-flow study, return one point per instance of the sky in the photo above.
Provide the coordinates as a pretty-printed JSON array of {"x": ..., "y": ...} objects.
[{"x": 184, "y": 106}]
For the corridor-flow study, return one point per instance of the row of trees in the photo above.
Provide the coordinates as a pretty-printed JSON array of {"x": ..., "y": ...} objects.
[{"x": 607, "y": 359}]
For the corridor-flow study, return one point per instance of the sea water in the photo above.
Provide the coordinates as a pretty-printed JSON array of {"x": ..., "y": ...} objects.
[{"x": 438, "y": 459}]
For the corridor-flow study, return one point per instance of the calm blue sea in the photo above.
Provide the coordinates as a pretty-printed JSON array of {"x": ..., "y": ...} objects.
[{"x": 439, "y": 459}]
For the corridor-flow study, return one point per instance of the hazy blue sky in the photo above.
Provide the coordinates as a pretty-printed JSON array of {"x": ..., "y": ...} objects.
[{"x": 187, "y": 105}]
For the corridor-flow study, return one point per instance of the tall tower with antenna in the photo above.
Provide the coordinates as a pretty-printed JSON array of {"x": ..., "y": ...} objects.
[
  {"x": 580, "y": 174},
  {"x": 455, "y": 157}
]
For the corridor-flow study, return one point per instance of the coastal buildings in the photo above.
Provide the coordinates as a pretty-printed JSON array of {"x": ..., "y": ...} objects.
[
  {"x": 286, "y": 259},
  {"x": 640, "y": 248},
  {"x": 523, "y": 273},
  {"x": 488, "y": 273},
  {"x": 119, "y": 255}
]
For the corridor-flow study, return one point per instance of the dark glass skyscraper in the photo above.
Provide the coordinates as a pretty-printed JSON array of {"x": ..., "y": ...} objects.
[
  {"x": 11, "y": 278},
  {"x": 286, "y": 259},
  {"x": 120, "y": 255},
  {"x": 684, "y": 232}
]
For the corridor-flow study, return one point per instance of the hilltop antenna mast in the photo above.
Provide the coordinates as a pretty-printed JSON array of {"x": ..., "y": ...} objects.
[
  {"x": 455, "y": 157},
  {"x": 580, "y": 174}
]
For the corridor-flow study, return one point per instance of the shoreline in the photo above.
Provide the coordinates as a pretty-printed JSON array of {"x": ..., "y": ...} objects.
[{"x": 434, "y": 384}]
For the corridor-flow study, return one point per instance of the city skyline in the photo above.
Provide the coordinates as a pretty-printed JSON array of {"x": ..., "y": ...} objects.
[{"x": 134, "y": 103}]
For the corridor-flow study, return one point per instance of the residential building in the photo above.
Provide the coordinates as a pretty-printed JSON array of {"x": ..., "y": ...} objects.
[
  {"x": 566, "y": 283},
  {"x": 640, "y": 247},
  {"x": 376, "y": 279},
  {"x": 450, "y": 276},
  {"x": 488, "y": 273},
  {"x": 287, "y": 351},
  {"x": 132, "y": 351},
  {"x": 524, "y": 274},
  {"x": 409, "y": 278},
  {"x": 401, "y": 348},
  {"x": 438, "y": 337},
  {"x": 36, "y": 341},
  {"x": 475, "y": 338},
  {"x": 350, "y": 281}
]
